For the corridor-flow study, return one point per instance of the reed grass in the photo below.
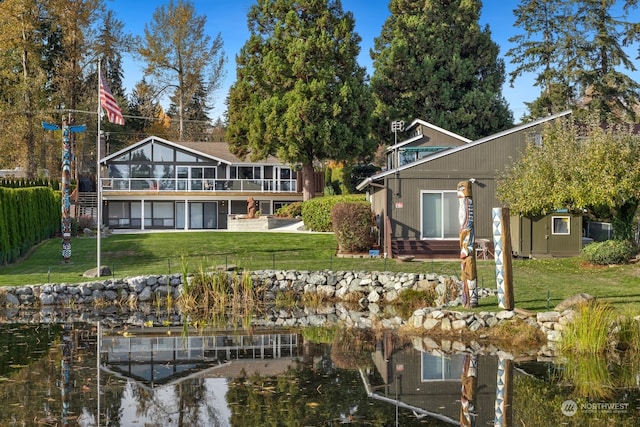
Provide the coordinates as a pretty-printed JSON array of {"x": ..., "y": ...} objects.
[{"x": 589, "y": 331}]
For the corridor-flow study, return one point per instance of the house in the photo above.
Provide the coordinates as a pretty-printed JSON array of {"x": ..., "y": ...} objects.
[
  {"x": 417, "y": 205},
  {"x": 160, "y": 184}
]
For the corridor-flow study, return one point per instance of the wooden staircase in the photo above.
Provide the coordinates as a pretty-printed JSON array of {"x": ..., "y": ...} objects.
[{"x": 87, "y": 204}]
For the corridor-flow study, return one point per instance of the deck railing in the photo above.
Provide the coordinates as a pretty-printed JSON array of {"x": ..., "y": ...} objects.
[{"x": 199, "y": 185}]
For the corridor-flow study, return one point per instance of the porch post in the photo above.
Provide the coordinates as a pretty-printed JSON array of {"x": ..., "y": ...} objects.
[
  {"x": 186, "y": 214},
  {"x": 142, "y": 214}
]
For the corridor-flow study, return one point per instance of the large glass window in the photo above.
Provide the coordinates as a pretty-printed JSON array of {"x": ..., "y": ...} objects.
[
  {"x": 440, "y": 368},
  {"x": 119, "y": 214},
  {"x": 184, "y": 157},
  {"x": 162, "y": 153},
  {"x": 245, "y": 172},
  {"x": 163, "y": 215},
  {"x": 440, "y": 215},
  {"x": 142, "y": 153}
]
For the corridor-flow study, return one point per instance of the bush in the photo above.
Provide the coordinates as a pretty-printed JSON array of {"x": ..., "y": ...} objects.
[
  {"x": 292, "y": 210},
  {"x": 316, "y": 213},
  {"x": 609, "y": 252},
  {"x": 352, "y": 224}
]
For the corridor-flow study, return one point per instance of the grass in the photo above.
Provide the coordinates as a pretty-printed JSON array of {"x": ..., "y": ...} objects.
[
  {"x": 589, "y": 332},
  {"x": 538, "y": 284}
]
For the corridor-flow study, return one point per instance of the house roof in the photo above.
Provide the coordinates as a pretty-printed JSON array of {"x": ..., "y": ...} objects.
[
  {"x": 453, "y": 150},
  {"x": 217, "y": 151},
  {"x": 417, "y": 122}
]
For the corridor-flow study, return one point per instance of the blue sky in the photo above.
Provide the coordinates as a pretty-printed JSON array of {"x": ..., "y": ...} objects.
[{"x": 229, "y": 18}]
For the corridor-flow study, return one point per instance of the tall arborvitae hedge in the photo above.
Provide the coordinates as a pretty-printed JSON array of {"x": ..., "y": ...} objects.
[{"x": 27, "y": 217}]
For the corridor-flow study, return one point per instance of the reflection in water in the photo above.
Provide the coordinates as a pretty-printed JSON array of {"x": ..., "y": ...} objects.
[
  {"x": 504, "y": 392},
  {"x": 469, "y": 384},
  {"x": 52, "y": 375}
]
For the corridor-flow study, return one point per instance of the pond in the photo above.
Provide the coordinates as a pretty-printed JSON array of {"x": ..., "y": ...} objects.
[{"x": 93, "y": 374}]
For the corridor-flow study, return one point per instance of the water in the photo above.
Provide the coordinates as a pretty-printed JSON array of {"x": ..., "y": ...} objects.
[{"x": 81, "y": 374}]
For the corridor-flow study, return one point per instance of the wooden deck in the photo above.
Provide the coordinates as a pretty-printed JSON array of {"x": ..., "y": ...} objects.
[{"x": 434, "y": 249}]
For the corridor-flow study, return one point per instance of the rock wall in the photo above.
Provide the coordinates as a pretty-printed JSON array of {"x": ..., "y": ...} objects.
[
  {"x": 368, "y": 287},
  {"x": 372, "y": 290}
]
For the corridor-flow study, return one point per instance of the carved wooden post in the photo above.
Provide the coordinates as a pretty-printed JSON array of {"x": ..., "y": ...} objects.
[
  {"x": 502, "y": 256},
  {"x": 467, "y": 245},
  {"x": 66, "y": 185},
  {"x": 66, "y": 182},
  {"x": 504, "y": 393},
  {"x": 469, "y": 385}
]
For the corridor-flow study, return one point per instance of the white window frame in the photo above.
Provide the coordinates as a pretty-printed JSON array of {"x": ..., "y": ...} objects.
[
  {"x": 442, "y": 217},
  {"x": 557, "y": 221}
]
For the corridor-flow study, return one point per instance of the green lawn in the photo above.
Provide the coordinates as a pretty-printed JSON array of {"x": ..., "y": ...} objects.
[{"x": 535, "y": 281}]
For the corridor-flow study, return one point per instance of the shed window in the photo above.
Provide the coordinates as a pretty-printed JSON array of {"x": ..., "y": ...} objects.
[{"x": 561, "y": 225}]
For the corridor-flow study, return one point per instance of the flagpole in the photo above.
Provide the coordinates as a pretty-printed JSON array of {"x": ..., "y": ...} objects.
[{"x": 99, "y": 181}]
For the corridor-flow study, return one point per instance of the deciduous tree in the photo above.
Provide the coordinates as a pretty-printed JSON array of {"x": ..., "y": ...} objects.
[
  {"x": 179, "y": 55},
  {"x": 579, "y": 166}
]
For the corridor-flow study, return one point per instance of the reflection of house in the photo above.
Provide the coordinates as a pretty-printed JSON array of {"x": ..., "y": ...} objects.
[
  {"x": 158, "y": 358},
  {"x": 419, "y": 205},
  {"x": 159, "y": 184},
  {"x": 431, "y": 383}
]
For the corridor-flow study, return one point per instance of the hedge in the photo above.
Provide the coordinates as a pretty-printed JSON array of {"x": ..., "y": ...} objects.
[
  {"x": 27, "y": 217},
  {"x": 316, "y": 213}
]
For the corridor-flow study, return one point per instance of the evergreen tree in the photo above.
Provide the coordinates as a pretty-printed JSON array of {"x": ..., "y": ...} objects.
[
  {"x": 543, "y": 49},
  {"x": 196, "y": 121},
  {"x": 300, "y": 93},
  {"x": 433, "y": 61},
  {"x": 143, "y": 104},
  {"x": 578, "y": 49},
  {"x": 601, "y": 39}
]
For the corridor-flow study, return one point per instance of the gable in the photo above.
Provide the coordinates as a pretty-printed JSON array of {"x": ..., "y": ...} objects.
[{"x": 486, "y": 155}]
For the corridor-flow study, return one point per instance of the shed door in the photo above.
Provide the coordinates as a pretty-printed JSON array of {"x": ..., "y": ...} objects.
[{"x": 540, "y": 233}]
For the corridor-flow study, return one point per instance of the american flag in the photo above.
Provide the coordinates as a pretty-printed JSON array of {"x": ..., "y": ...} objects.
[{"x": 108, "y": 102}]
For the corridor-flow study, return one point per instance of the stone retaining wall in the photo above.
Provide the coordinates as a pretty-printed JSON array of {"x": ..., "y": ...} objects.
[
  {"x": 366, "y": 287},
  {"x": 372, "y": 290}
]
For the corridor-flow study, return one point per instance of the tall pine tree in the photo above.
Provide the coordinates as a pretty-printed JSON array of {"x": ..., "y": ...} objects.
[
  {"x": 543, "y": 50},
  {"x": 300, "y": 93},
  {"x": 434, "y": 62},
  {"x": 579, "y": 50}
]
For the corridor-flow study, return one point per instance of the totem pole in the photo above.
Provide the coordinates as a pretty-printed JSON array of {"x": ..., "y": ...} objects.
[
  {"x": 502, "y": 255},
  {"x": 469, "y": 385},
  {"x": 467, "y": 245},
  {"x": 66, "y": 183}
]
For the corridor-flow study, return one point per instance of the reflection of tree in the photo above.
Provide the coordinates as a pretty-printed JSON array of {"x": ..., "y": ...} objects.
[
  {"x": 140, "y": 167},
  {"x": 352, "y": 348},
  {"x": 538, "y": 402}
]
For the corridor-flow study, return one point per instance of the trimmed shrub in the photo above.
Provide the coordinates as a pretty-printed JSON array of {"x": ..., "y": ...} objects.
[
  {"x": 292, "y": 210},
  {"x": 316, "y": 213},
  {"x": 609, "y": 252},
  {"x": 27, "y": 216},
  {"x": 352, "y": 224}
]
